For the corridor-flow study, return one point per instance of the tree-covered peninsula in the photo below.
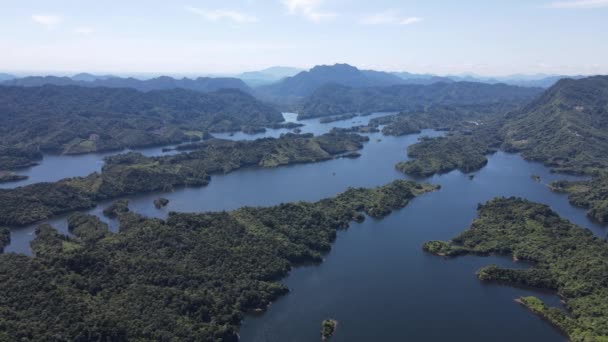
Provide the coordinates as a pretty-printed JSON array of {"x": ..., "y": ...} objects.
[
  {"x": 566, "y": 258},
  {"x": 463, "y": 150},
  {"x": 188, "y": 278},
  {"x": 440, "y": 155},
  {"x": 71, "y": 119},
  {"x": 133, "y": 173},
  {"x": 590, "y": 194},
  {"x": 5, "y": 237},
  {"x": 7, "y": 176}
]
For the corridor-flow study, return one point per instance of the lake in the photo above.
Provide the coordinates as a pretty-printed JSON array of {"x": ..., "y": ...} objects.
[
  {"x": 55, "y": 167},
  {"x": 376, "y": 281}
]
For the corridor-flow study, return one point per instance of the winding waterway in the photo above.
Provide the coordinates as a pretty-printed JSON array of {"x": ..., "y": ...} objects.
[
  {"x": 376, "y": 281},
  {"x": 55, "y": 167}
]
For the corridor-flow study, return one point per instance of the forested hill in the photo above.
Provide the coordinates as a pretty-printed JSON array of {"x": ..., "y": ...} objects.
[
  {"x": 201, "y": 84},
  {"x": 71, "y": 119},
  {"x": 306, "y": 82},
  {"x": 567, "y": 127},
  {"x": 191, "y": 277},
  {"x": 338, "y": 99}
]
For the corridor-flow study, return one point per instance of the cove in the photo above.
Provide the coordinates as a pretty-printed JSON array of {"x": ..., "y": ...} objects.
[{"x": 376, "y": 281}]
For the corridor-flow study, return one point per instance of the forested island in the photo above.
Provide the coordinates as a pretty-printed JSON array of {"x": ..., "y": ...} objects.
[
  {"x": 161, "y": 203},
  {"x": 566, "y": 258},
  {"x": 190, "y": 277},
  {"x": 73, "y": 120},
  {"x": 328, "y": 327},
  {"x": 7, "y": 176},
  {"x": 133, "y": 173},
  {"x": 441, "y": 155}
]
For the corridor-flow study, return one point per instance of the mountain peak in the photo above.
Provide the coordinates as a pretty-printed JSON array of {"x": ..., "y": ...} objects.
[{"x": 306, "y": 82}]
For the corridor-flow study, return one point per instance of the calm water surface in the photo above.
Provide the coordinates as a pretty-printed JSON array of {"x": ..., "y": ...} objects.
[
  {"x": 376, "y": 281},
  {"x": 55, "y": 167}
]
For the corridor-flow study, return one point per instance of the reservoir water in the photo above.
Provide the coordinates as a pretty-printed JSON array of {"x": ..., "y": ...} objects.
[
  {"x": 376, "y": 281},
  {"x": 55, "y": 167}
]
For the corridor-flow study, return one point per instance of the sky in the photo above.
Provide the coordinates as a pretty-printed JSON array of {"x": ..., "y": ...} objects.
[{"x": 197, "y": 37}]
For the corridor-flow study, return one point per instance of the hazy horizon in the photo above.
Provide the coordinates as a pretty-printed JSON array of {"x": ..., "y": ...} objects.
[
  {"x": 228, "y": 37},
  {"x": 153, "y": 74}
]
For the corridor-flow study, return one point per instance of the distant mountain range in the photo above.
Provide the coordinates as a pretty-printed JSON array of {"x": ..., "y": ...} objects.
[
  {"x": 86, "y": 77},
  {"x": 4, "y": 77},
  {"x": 334, "y": 99},
  {"x": 268, "y": 76},
  {"x": 294, "y": 88},
  {"x": 410, "y": 78},
  {"x": 284, "y": 86},
  {"x": 542, "y": 81},
  {"x": 201, "y": 84},
  {"x": 306, "y": 82}
]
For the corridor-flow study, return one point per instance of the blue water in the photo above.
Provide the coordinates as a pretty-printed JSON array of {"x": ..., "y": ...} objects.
[
  {"x": 376, "y": 281},
  {"x": 55, "y": 167}
]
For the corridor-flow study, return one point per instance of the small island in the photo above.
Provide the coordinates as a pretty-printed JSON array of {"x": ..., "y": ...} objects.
[
  {"x": 536, "y": 178},
  {"x": 161, "y": 202},
  {"x": 328, "y": 327},
  {"x": 7, "y": 176}
]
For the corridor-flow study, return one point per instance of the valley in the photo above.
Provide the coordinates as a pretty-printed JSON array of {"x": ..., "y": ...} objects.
[{"x": 251, "y": 238}]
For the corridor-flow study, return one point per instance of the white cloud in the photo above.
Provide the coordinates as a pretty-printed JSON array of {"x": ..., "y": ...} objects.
[
  {"x": 223, "y": 14},
  {"x": 309, "y": 9},
  {"x": 47, "y": 20},
  {"x": 578, "y": 4},
  {"x": 410, "y": 20},
  {"x": 84, "y": 30},
  {"x": 389, "y": 18}
]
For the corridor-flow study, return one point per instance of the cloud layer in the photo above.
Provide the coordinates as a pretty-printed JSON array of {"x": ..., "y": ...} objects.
[
  {"x": 47, "y": 20},
  {"x": 223, "y": 14},
  {"x": 390, "y": 17},
  {"x": 309, "y": 9}
]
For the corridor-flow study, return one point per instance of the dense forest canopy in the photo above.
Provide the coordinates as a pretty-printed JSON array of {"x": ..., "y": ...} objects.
[
  {"x": 566, "y": 129},
  {"x": 73, "y": 119},
  {"x": 336, "y": 99},
  {"x": 133, "y": 173},
  {"x": 189, "y": 278},
  {"x": 456, "y": 118},
  {"x": 566, "y": 258}
]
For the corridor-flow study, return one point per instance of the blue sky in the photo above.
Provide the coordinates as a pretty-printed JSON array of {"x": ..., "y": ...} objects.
[{"x": 497, "y": 37}]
